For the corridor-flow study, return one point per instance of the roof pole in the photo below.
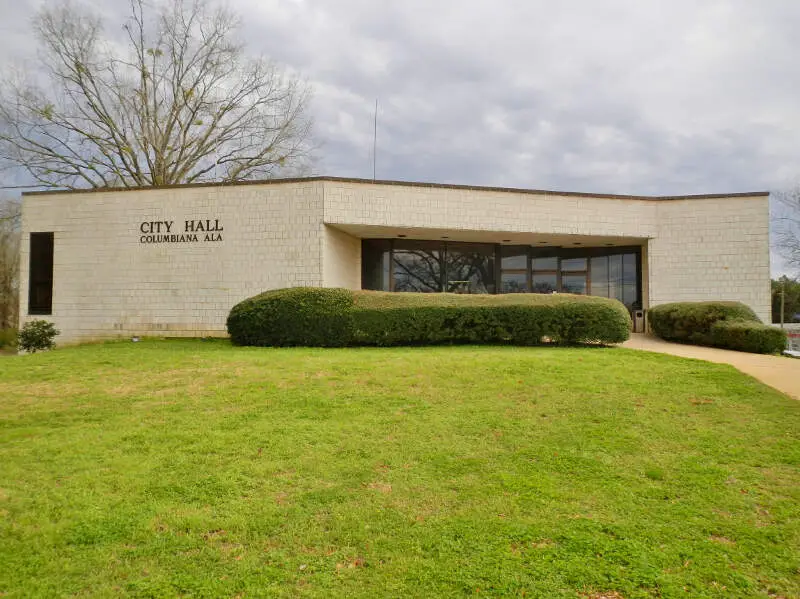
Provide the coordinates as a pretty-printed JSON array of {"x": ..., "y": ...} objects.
[{"x": 375, "y": 141}]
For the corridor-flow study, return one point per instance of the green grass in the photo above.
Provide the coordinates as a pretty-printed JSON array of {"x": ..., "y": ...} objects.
[{"x": 192, "y": 469}]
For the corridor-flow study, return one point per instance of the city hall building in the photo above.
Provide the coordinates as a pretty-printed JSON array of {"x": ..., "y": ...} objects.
[{"x": 172, "y": 261}]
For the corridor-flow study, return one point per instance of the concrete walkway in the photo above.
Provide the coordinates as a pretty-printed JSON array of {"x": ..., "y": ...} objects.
[{"x": 780, "y": 372}]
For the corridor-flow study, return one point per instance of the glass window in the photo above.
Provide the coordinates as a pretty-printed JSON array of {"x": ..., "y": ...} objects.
[
  {"x": 548, "y": 263},
  {"x": 544, "y": 283},
  {"x": 629, "y": 268},
  {"x": 573, "y": 264},
  {"x": 40, "y": 279},
  {"x": 623, "y": 282},
  {"x": 514, "y": 257},
  {"x": 600, "y": 276},
  {"x": 418, "y": 270},
  {"x": 629, "y": 282},
  {"x": 615, "y": 277},
  {"x": 571, "y": 283},
  {"x": 435, "y": 266},
  {"x": 513, "y": 282},
  {"x": 470, "y": 268}
]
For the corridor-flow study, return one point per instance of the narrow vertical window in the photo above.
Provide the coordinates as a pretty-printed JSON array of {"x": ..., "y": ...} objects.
[{"x": 40, "y": 281}]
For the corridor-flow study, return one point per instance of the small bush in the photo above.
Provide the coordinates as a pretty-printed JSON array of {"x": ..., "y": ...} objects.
[
  {"x": 748, "y": 336},
  {"x": 304, "y": 316},
  {"x": 338, "y": 317},
  {"x": 690, "y": 322},
  {"x": 37, "y": 335},
  {"x": 8, "y": 338}
]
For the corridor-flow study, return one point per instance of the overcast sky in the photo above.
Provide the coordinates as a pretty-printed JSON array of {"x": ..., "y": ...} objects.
[{"x": 617, "y": 96}]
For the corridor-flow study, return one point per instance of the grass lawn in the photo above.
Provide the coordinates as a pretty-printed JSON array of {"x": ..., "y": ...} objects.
[{"x": 195, "y": 469}]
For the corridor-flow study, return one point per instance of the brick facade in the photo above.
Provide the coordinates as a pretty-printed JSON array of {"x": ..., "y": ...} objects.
[{"x": 108, "y": 283}]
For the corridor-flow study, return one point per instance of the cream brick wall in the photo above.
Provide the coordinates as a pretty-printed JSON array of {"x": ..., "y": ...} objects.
[
  {"x": 108, "y": 284},
  {"x": 280, "y": 234},
  {"x": 481, "y": 210},
  {"x": 712, "y": 249},
  {"x": 341, "y": 259}
]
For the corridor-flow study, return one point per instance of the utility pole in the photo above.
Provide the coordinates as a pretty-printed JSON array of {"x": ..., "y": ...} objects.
[{"x": 783, "y": 297}]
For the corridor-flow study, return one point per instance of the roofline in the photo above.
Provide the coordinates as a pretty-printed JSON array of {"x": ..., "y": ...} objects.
[{"x": 579, "y": 194}]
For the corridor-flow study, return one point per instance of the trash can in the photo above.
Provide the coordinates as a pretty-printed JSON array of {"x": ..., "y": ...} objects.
[{"x": 638, "y": 321}]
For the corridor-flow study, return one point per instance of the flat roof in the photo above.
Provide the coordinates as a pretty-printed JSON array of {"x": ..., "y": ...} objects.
[{"x": 579, "y": 194}]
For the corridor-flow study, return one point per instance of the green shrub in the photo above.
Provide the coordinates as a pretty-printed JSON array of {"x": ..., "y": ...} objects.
[
  {"x": 690, "y": 322},
  {"x": 337, "y": 317},
  {"x": 305, "y": 316},
  {"x": 731, "y": 325},
  {"x": 37, "y": 335},
  {"x": 8, "y": 338},
  {"x": 748, "y": 336},
  {"x": 514, "y": 319}
]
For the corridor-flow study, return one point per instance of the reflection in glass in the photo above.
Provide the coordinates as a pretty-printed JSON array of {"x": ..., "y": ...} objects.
[
  {"x": 573, "y": 264},
  {"x": 549, "y": 263},
  {"x": 512, "y": 282},
  {"x": 470, "y": 268},
  {"x": 629, "y": 279},
  {"x": 544, "y": 283},
  {"x": 573, "y": 284},
  {"x": 418, "y": 270},
  {"x": 615, "y": 277},
  {"x": 600, "y": 276},
  {"x": 514, "y": 258},
  {"x": 435, "y": 266}
]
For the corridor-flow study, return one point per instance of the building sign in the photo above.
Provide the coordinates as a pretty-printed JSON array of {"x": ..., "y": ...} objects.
[{"x": 188, "y": 231}]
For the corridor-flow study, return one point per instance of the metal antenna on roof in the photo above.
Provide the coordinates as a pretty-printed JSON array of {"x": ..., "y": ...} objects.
[{"x": 375, "y": 141}]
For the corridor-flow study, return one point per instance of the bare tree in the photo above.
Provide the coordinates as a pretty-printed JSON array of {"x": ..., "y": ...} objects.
[
  {"x": 10, "y": 215},
  {"x": 177, "y": 101},
  {"x": 787, "y": 226}
]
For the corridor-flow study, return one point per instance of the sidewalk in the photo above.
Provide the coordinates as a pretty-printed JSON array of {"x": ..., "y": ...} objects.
[{"x": 782, "y": 373}]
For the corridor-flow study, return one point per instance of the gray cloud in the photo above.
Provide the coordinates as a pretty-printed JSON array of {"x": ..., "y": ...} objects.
[
  {"x": 663, "y": 97},
  {"x": 657, "y": 97}
]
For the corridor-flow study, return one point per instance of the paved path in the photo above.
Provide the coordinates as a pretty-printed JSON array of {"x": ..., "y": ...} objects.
[{"x": 779, "y": 372}]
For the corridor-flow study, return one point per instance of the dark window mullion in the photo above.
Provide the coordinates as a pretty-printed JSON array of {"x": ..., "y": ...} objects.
[
  {"x": 443, "y": 271},
  {"x": 391, "y": 265},
  {"x": 529, "y": 278},
  {"x": 498, "y": 271}
]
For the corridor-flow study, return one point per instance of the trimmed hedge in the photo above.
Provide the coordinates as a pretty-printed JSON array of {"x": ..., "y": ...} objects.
[
  {"x": 690, "y": 322},
  {"x": 730, "y": 325},
  {"x": 337, "y": 317},
  {"x": 309, "y": 316},
  {"x": 747, "y": 336}
]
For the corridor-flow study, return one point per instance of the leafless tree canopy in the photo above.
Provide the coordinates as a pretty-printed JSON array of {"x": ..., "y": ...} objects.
[
  {"x": 787, "y": 226},
  {"x": 10, "y": 215},
  {"x": 175, "y": 101}
]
